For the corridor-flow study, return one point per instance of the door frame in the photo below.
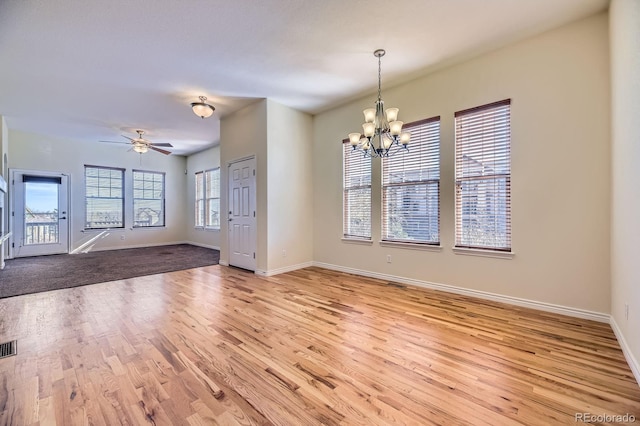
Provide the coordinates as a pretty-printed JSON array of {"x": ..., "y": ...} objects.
[
  {"x": 12, "y": 203},
  {"x": 229, "y": 201}
]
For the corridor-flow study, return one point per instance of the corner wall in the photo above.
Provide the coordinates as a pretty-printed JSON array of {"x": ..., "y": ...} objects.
[
  {"x": 290, "y": 207},
  {"x": 244, "y": 134},
  {"x": 559, "y": 86},
  {"x": 624, "y": 24}
]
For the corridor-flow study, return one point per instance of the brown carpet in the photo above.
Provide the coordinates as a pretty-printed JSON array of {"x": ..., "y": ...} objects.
[{"x": 43, "y": 273}]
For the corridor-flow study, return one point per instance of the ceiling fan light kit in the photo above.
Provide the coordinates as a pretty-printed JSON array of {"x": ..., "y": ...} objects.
[
  {"x": 142, "y": 145},
  {"x": 202, "y": 109},
  {"x": 381, "y": 125}
]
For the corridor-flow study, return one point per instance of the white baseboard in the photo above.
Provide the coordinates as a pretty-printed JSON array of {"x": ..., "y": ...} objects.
[
  {"x": 272, "y": 272},
  {"x": 203, "y": 245},
  {"x": 223, "y": 262},
  {"x": 543, "y": 306},
  {"x": 631, "y": 360}
]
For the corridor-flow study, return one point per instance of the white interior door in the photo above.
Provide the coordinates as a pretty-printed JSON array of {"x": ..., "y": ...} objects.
[
  {"x": 242, "y": 214},
  {"x": 40, "y": 213}
]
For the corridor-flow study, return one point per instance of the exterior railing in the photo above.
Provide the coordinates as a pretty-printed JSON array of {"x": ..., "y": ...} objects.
[{"x": 41, "y": 233}]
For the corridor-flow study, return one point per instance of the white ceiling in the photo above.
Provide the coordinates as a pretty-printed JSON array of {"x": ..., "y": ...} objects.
[{"x": 93, "y": 70}]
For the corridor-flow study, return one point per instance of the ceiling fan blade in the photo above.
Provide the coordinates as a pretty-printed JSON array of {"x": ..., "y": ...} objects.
[
  {"x": 131, "y": 139},
  {"x": 163, "y": 151},
  {"x": 162, "y": 144},
  {"x": 120, "y": 142}
]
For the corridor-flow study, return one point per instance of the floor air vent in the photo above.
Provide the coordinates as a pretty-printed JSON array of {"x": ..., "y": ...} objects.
[{"x": 8, "y": 348}]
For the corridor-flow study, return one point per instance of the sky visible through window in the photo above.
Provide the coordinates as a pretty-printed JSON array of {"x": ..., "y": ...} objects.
[{"x": 41, "y": 197}]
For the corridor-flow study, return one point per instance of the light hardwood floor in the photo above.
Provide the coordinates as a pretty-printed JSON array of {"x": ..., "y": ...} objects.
[{"x": 217, "y": 345}]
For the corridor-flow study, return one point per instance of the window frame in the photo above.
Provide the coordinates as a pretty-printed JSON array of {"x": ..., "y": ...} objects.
[
  {"x": 199, "y": 214},
  {"x": 86, "y": 197},
  {"x": 501, "y": 157},
  {"x": 207, "y": 209},
  {"x": 429, "y": 158},
  {"x": 163, "y": 199},
  {"x": 346, "y": 236}
]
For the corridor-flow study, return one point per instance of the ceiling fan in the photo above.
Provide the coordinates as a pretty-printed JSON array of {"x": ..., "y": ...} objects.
[{"x": 143, "y": 145}]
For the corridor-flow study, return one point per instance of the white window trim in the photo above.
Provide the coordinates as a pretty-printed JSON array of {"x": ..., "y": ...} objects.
[
  {"x": 356, "y": 240},
  {"x": 411, "y": 246},
  {"x": 204, "y": 187},
  {"x": 483, "y": 252},
  {"x": 164, "y": 199}
]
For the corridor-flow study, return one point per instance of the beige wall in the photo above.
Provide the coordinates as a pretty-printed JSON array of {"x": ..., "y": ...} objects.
[
  {"x": 201, "y": 161},
  {"x": 290, "y": 200},
  {"x": 243, "y": 134},
  {"x": 37, "y": 152},
  {"x": 4, "y": 146},
  {"x": 559, "y": 86},
  {"x": 625, "y": 229}
]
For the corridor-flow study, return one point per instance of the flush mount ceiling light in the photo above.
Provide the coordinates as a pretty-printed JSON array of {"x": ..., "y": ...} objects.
[
  {"x": 202, "y": 109},
  {"x": 381, "y": 125}
]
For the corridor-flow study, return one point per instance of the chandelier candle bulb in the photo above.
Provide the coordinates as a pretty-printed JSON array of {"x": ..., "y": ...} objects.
[
  {"x": 396, "y": 127},
  {"x": 369, "y": 115},
  {"x": 369, "y": 129},
  {"x": 354, "y": 138},
  {"x": 404, "y": 138},
  {"x": 392, "y": 114},
  {"x": 386, "y": 142}
]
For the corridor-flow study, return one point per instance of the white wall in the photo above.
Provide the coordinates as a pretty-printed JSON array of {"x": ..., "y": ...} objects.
[
  {"x": 201, "y": 161},
  {"x": 624, "y": 18},
  {"x": 559, "y": 86},
  {"x": 243, "y": 134},
  {"x": 290, "y": 188},
  {"x": 37, "y": 152}
]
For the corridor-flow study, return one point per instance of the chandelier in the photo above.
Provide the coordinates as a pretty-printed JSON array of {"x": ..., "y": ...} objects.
[{"x": 382, "y": 132}]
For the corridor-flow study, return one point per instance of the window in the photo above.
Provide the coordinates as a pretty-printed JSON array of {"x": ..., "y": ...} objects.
[
  {"x": 104, "y": 197},
  {"x": 212, "y": 197},
  {"x": 199, "y": 200},
  {"x": 411, "y": 187},
  {"x": 357, "y": 194},
  {"x": 483, "y": 177},
  {"x": 148, "y": 199},
  {"x": 208, "y": 199}
]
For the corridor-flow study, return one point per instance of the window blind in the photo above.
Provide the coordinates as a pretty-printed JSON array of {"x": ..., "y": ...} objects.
[
  {"x": 212, "y": 198},
  {"x": 199, "y": 202},
  {"x": 104, "y": 197},
  {"x": 411, "y": 187},
  {"x": 148, "y": 199},
  {"x": 356, "y": 194},
  {"x": 483, "y": 177}
]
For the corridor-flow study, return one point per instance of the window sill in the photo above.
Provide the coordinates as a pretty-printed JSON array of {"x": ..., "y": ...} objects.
[
  {"x": 135, "y": 228},
  {"x": 357, "y": 241},
  {"x": 411, "y": 246},
  {"x": 202, "y": 228},
  {"x": 483, "y": 253}
]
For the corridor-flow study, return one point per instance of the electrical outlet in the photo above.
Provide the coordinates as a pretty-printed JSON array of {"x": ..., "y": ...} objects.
[
  {"x": 626, "y": 311},
  {"x": 388, "y": 258},
  {"x": 284, "y": 253}
]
